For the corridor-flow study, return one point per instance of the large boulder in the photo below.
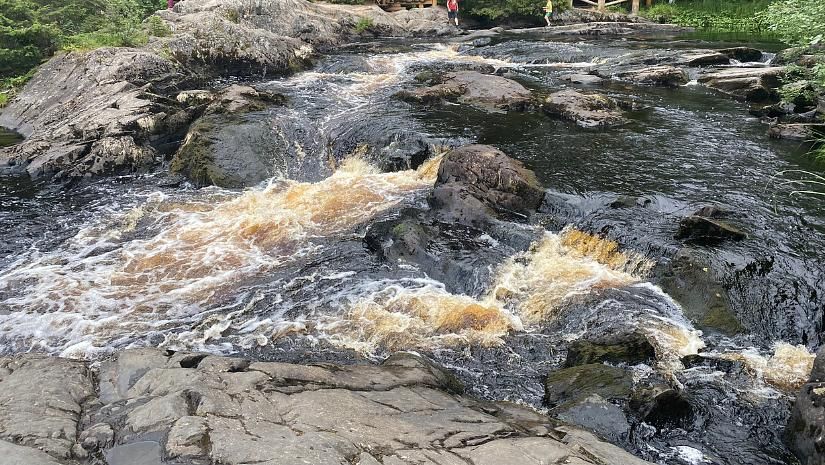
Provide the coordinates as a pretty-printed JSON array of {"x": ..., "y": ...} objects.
[
  {"x": 586, "y": 110},
  {"x": 796, "y": 131},
  {"x": 751, "y": 84},
  {"x": 245, "y": 137},
  {"x": 476, "y": 182},
  {"x": 151, "y": 406},
  {"x": 805, "y": 433},
  {"x": 96, "y": 113},
  {"x": 484, "y": 91}
]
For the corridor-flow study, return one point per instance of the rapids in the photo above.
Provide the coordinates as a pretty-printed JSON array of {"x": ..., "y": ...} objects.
[{"x": 280, "y": 270}]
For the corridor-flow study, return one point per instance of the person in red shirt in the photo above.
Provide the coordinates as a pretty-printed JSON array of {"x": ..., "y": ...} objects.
[{"x": 452, "y": 11}]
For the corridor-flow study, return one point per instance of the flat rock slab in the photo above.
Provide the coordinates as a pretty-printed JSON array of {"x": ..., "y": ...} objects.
[
  {"x": 586, "y": 110},
  {"x": 752, "y": 84},
  {"x": 158, "y": 407},
  {"x": 666, "y": 76},
  {"x": 484, "y": 91}
]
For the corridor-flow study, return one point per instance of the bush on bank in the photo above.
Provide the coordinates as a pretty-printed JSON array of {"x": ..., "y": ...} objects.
[{"x": 31, "y": 31}]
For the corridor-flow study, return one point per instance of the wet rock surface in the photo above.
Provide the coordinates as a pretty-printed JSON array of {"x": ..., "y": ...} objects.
[
  {"x": 155, "y": 407},
  {"x": 586, "y": 110},
  {"x": 751, "y": 84},
  {"x": 805, "y": 433},
  {"x": 480, "y": 90},
  {"x": 115, "y": 112},
  {"x": 666, "y": 76}
]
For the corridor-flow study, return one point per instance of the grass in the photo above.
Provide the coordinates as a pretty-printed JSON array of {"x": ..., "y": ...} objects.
[
  {"x": 363, "y": 25},
  {"x": 713, "y": 15}
]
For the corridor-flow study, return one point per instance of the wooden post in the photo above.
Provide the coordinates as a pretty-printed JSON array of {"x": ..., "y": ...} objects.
[
  {"x": 648, "y": 3},
  {"x": 601, "y": 6},
  {"x": 634, "y": 10}
]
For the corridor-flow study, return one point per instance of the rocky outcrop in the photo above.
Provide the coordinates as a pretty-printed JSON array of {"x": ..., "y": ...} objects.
[
  {"x": 666, "y": 76},
  {"x": 586, "y": 110},
  {"x": 805, "y": 433},
  {"x": 796, "y": 131},
  {"x": 484, "y": 91},
  {"x": 707, "y": 230},
  {"x": 114, "y": 110},
  {"x": 96, "y": 113},
  {"x": 483, "y": 177},
  {"x": 751, "y": 84},
  {"x": 151, "y": 406},
  {"x": 460, "y": 237},
  {"x": 742, "y": 54},
  {"x": 245, "y": 137}
]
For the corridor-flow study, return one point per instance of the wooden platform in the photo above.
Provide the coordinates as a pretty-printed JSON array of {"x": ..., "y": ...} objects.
[{"x": 397, "y": 5}]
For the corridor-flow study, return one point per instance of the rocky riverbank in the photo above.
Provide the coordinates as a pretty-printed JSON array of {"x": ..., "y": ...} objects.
[{"x": 150, "y": 407}]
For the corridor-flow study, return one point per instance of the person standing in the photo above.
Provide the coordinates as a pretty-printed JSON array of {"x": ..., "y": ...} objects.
[
  {"x": 452, "y": 11},
  {"x": 548, "y": 12}
]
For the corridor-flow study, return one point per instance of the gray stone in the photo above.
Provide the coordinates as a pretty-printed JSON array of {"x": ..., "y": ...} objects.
[
  {"x": 586, "y": 79},
  {"x": 752, "y": 84},
  {"x": 484, "y": 91},
  {"x": 13, "y": 454},
  {"x": 198, "y": 409},
  {"x": 42, "y": 401},
  {"x": 586, "y": 110},
  {"x": 666, "y": 76}
]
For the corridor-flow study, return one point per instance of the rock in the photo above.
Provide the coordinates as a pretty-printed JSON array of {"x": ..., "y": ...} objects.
[
  {"x": 689, "y": 279},
  {"x": 107, "y": 116},
  {"x": 632, "y": 348},
  {"x": 805, "y": 433},
  {"x": 666, "y": 76},
  {"x": 629, "y": 201},
  {"x": 797, "y": 131},
  {"x": 242, "y": 412},
  {"x": 586, "y": 110},
  {"x": 475, "y": 181},
  {"x": 751, "y": 84},
  {"x": 488, "y": 92},
  {"x": 703, "y": 230},
  {"x": 704, "y": 58},
  {"x": 595, "y": 414},
  {"x": 234, "y": 150},
  {"x": 42, "y": 401},
  {"x": 20, "y": 455},
  {"x": 579, "y": 382},
  {"x": 586, "y": 79},
  {"x": 743, "y": 54}
]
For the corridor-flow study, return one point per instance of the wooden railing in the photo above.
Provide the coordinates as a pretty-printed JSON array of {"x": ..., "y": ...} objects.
[{"x": 602, "y": 5}]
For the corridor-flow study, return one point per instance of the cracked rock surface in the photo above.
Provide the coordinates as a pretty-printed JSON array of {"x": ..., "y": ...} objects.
[{"x": 151, "y": 407}]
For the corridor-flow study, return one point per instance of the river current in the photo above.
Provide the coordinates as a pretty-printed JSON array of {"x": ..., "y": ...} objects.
[{"x": 281, "y": 271}]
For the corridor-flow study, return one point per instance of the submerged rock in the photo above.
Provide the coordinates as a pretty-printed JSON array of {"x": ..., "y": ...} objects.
[
  {"x": 705, "y": 230},
  {"x": 586, "y": 79},
  {"x": 586, "y": 110},
  {"x": 632, "y": 348},
  {"x": 805, "y": 433},
  {"x": 691, "y": 281},
  {"x": 485, "y": 91},
  {"x": 199, "y": 408}
]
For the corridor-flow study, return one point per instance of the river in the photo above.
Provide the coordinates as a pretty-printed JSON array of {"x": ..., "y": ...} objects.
[{"x": 281, "y": 272}]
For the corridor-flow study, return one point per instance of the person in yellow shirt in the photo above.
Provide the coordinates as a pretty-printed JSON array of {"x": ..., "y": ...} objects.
[{"x": 548, "y": 11}]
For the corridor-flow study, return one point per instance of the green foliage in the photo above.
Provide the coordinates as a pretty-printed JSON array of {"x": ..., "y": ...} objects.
[
  {"x": 33, "y": 30},
  {"x": 797, "y": 21},
  {"x": 157, "y": 28},
  {"x": 505, "y": 9},
  {"x": 363, "y": 25},
  {"x": 715, "y": 15}
]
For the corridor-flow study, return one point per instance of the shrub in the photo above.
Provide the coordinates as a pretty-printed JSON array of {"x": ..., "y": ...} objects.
[
  {"x": 363, "y": 25},
  {"x": 797, "y": 21}
]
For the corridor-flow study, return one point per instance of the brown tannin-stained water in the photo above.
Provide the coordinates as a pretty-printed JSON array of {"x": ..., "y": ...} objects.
[{"x": 281, "y": 270}]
